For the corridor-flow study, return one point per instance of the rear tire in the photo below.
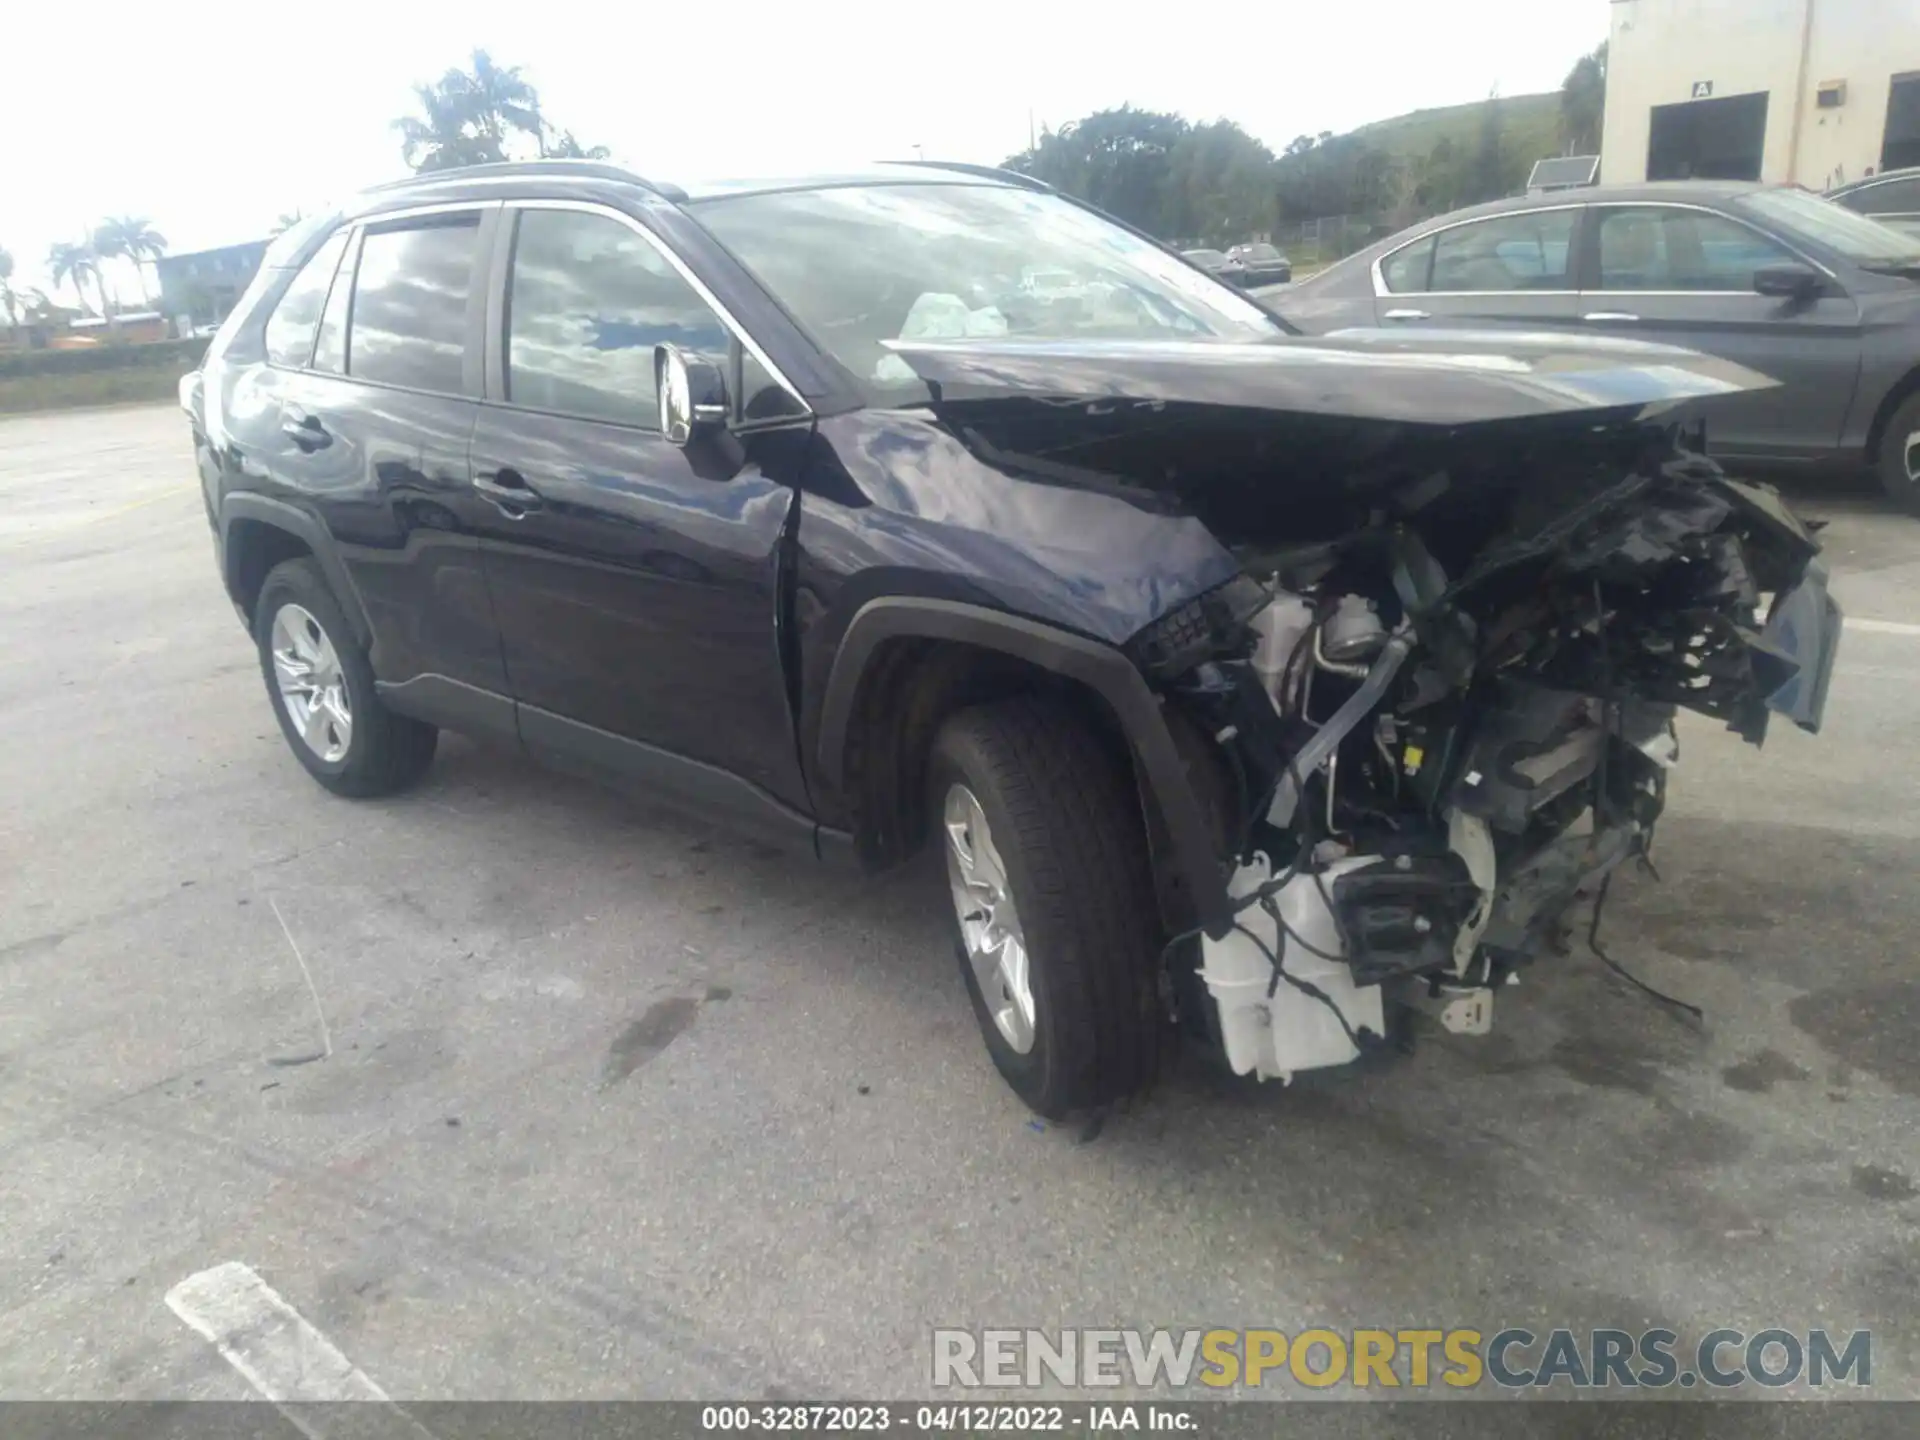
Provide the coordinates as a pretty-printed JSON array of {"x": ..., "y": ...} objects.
[
  {"x": 320, "y": 684},
  {"x": 1063, "y": 828},
  {"x": 1899, "y": 466}
]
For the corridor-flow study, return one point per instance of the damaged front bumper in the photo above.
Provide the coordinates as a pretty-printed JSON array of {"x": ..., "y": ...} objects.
[{"x": 1498, "y": 757}]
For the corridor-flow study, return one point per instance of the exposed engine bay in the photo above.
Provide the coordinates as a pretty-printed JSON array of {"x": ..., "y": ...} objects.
[
  {"x": 1431, "y": 760},
  {"x": 1479, "y": 576}
]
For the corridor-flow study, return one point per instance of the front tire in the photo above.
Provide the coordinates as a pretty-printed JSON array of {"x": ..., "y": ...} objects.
[
  {"x": 320, "y": 684},
  {"x": 1899, "y": 467},
  {"x": 1054, "y": 913}
]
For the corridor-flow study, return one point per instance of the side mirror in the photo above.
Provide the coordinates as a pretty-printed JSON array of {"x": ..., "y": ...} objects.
[
  {"x": 1788, "y": 282},
  {"x": 693, "y": 394}
]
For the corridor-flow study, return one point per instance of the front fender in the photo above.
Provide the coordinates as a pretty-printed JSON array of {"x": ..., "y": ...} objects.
[{"x": 1100, "y": 667}]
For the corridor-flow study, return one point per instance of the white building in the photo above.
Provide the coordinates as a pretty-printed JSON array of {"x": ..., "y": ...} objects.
[{"x": 1811, "y": 92}]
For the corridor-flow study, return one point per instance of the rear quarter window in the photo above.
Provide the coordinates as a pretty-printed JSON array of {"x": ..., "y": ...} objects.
[
  {"x": 1407, "y": 269},
  {"x": 296, "y": 318}
]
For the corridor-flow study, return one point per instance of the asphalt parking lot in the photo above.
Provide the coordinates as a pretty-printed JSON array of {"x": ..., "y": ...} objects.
[{"x": 618, "y": 1105}]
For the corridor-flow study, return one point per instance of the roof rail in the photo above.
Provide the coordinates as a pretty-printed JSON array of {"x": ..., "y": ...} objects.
[
  {"x": 985, "y": 172},
  {"x": 587, "y": 169}
]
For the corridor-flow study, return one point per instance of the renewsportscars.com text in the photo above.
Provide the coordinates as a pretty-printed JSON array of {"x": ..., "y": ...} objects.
[{"x": 1416, "y": 1359}]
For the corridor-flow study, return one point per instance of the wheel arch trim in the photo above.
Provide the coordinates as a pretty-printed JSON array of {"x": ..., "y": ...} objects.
[
  {"x": 304, "y": 527},
  {"x": 1099, "y": 667},
  {"x": 1899, "y": 393}
]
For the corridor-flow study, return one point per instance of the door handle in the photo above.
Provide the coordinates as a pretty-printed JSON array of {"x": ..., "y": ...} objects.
[
  {"x": 307, "y": 432},
  {"x": 1617, "y": 317},
  {"x": 1406, "y": 315},
  {"x": 508, "y": 488}
]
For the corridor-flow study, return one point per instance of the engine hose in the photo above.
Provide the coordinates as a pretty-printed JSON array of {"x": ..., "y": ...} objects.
[{"x": 1340, "y": 724}]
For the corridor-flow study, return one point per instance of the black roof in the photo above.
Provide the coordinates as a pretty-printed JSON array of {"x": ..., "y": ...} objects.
[
  {"x": 884, "y": 173},
  {"x": 603, "y": 180}
]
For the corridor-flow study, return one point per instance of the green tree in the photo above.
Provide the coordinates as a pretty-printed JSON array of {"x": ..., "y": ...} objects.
[
  {"x": 1583, "y": 103},
  {"x": 9, "y": 300},
  {"x": 130, "y": 238},
  {"x": 1120, "y": 160},
  {"x": 76, "y": 265},
  {"x": 1220, "y": 185},
  {"x": 1326, "y": 175}
]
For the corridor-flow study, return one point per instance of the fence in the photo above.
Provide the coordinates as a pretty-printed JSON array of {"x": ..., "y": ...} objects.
[{"x": 1328, "y": 238}]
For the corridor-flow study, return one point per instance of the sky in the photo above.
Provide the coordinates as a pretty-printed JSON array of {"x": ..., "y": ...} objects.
[{"x": 211, "y": 119}]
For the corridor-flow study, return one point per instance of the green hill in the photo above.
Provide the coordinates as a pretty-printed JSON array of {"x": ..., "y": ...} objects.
[
  {"x": 1530, "y": 127},
  {"x": 1387, "y": 174}
]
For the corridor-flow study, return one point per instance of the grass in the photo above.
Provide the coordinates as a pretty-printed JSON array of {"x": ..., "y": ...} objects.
[{"x": 22, "y": 394}]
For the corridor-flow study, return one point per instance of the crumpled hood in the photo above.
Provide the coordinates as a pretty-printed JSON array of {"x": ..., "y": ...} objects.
[{"x": 1428, "y": 377}]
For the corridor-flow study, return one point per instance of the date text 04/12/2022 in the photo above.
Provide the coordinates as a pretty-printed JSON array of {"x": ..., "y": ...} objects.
[{"x": 951, "y": 1418}]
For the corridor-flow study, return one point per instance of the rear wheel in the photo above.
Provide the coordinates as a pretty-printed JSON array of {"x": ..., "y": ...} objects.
[
  {"x": 1900, "y": 456},
  {"x": 321, "y": 686},
  {"x": 1054, "y": 915}
]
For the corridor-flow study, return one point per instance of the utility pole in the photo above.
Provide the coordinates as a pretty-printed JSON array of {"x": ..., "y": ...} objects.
[{"x": 1792, "y": 176}]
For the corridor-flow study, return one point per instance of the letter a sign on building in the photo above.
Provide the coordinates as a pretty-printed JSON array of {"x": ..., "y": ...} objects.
[{"x": 1703, "y": 89}]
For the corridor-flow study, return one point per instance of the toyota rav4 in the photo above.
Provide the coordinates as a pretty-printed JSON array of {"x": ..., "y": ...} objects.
[{"x": 1249, "y": 683}]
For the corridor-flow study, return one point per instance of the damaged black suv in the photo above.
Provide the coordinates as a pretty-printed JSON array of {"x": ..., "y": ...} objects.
[{"x": 1247, "y": 683}]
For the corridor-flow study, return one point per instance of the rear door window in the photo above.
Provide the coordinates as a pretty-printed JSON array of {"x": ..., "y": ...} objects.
[
  {"x": 1651, "y": 247},
  {"x": 1525, "y": 251},
  {"x": 409, "y": 320},
  {"x": 291, "y": 327}
]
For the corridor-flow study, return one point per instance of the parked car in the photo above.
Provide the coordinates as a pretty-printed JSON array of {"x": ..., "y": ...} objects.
[
  {"x": 1054, "y": 287},
  {"x": 1792, "y": 285},
  {"x": 1892, "y": 198},
  {"x": 645, "y": 481},
  {"x": 1262, "y": 264},
  {"x": 1219, "y": 264}
]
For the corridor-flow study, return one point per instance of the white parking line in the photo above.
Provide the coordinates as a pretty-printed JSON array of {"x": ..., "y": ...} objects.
[
  {"x": 283, "y": 1357},
  {"x": 1880, "y": 627}
]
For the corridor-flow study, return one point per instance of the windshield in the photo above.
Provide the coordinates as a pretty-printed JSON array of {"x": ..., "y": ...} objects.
[
  {"x": 1258, "y": 252},
  {"x": 1863, "y": 241},
  {"x": 861, "y": 265},
  {"x": 1204, "y": 256}
]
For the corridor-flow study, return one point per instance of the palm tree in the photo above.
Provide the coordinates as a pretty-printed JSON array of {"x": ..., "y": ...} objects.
[
  {"x": 469, "y": 116},
  {"x": 77, "y": 264},
  {"x": 130, "y": 238},
  {"x": 442, "y": 141},
  {"x": 499, "y": 99},
  {"x": 559, "y": 144}
]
